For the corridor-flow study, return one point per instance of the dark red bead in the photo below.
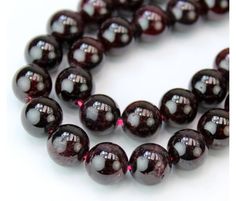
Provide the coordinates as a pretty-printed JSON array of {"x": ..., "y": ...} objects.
[
  {"x": 179, "y": 106},
  {"x": 96, "y": 11},
  {"x": 106, "y": 163},
  {"x": 187, "y": 149},
  {"x": 86, "y": 53},
  {"x": 183, "y": 11},
  {"x": 214, "y": 126},
  {"x": 100, "y": 114},
  {"x": 41, "y": 116},
  {"x": 202, "y": 6},
  {"x": 227, "y": 103},
  {"x": 44, "y": 51},
  {"x": 210, "y": 87},
  {"x": 74, "y": 84},
  {"x": 66, "y": 26},
  {"x": 30, "y": 82},
  {"x": 217, "y": 6},
  {"x": 149, "y": 21},
  {"x": 115, "y": 32},
  {"x": 141, "y": 119},
  {"x": 128, "y": 4},
  {"x": 222, "y": 63},
  {"x": 68, "y": 145},
  {"x": 150, "y": 164}
]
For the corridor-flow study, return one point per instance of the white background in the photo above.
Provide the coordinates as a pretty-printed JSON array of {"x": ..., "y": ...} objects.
[{"x": 145, "y": 71}]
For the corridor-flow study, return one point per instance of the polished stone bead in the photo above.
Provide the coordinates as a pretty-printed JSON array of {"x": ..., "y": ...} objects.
[
  {"x": 217, "y": 6},
  {"x": 141, "y": 119},
  {"x": 100, "y": 114},
  {"x": 87, "y": 53},
  {"x": 68, "y": 145},
  {"x": 31, "y": 82},
  {"x": 187, "y": 149},
  {"x": 128, "y": 4},
  {"x": 179, "y": 107},
  {"x": 96, "y": 11},
  {"x": 66, "y": 26},
  {"x": 214, "y": 126},
  {"x": 210, "y": 87},
  {"x": 44, "y": 51},
  {"x": 41, "y": 116},
  {"x": 150, "y": 164},
  {"x": 227, "y": 103},
  {"x": 222, "y": 63},
  {"x": 106, "y": 163},
  {"x": 183, "y": 11},
  {"x": 73, "y": 84},
  {"x": 115, "y": 32}
]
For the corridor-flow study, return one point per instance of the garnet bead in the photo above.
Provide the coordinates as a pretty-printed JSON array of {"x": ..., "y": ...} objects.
[
  {"x": 41, "y": 116},
  {"x": 100, "y": 114},
  {"x": 214, "y": 125},
  {"x": 210, "y": 87},
  {"x": 222, "y": 63},
  {"x": 86, "y": 53},
  {"x": 66, "y": 26},
  {"x": 150, "y": 164},
  {"x": 44, "y": 51},
  {"x": 187, "y": 149},
  {"x": 30, "y": 82},
  {"x": 141, "y": 119},
  {"x": 128, "y": 4},
  {"x": 106, "y": 163},
  {"x": 115, "y": 32},
  {"x": 217, "y": 6},
  {"x": 68, "y": 145},
  {"x": 179, "y": 106},
  {"x": 74, "y": 84},
  {"x": 183, "y": 11},
  {"x": 227, "y": 103}
]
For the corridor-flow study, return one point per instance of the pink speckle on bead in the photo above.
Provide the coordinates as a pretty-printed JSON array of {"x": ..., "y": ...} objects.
[
  {"x": 120, "y": 122},
  {"x": 28, "y": 99},
  {"x": 79, "y": 103},
  {"x": 129, "y": 168}
]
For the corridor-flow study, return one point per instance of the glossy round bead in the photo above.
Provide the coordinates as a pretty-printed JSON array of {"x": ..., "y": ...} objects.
[
  {"x": 209, "y": 86},
  {"x": 150, "y": 164},
  {"x": 106, "y": 163},
  {"x": 222, "y": 63},
  {"x": 66, "y": 26},
  {"x": 86, "y": 53},
  {"x": 141, "y": 119},
  {"x": 30, "y": 82},
  {"x": 115, "y": 32},
  {"x": 149, "y": 21},
  {"x": 41, "y": 116},
  {"x": 44, "y": 51},
  {"x": 129, "y": 4},
  {"x": 68, "y": 145},
  {"x": 96, "y": 11},
  {"x": 217, "y": 6},
  {"x": 183, "y": 11},
  {"x": 100, "y": 114},
  {"x": 227, "y": 103},
  {"x": 73, "y": 84},
  {"x": 179, "y": 106},
  {"x": 187, "y": 149},
  {"x": 214, "y": 125}
]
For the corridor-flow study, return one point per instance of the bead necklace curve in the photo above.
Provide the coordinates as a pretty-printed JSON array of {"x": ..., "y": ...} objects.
[{"x": 107, "y": 163}]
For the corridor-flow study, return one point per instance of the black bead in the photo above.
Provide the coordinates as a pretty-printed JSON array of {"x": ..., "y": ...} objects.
[
  {"x": 222, "y": 63},
  {"x": 227, "y": 103}
]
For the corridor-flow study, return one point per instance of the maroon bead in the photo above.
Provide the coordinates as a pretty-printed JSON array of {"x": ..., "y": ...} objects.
[
  {"x": 202, "y": 6},
  {"x": 227, "y": 103},
  {"x": 100, "y": 114},
  {"x": 128, "y": 4},
  {"x": 179, "y": 106},
  {"x": 210, "y": 87},
  {"x": 218, "y": 6},
  {"x": 96, "y": 11},
  {"x": 141, "y": 119},
  {"x": 68, "y": 145},
  {"x": 44, "y": 51},
  {"x": 30, "y": 82},
  {"x": 66, "y": 26},
  {"x": 74, "y": 84},
  {"x": 86, "y": 53},
  {"x": 187, "y": 149},
  {"x": 150, "y": 164},
  {"x": 41, "y": 116},
  {"x": 115, "y": 32},
  {"x": 106, "y": 163},
  {"x": 183, "y": 11},
  {"x": 149, "y": 21},
  {"x": 222, "y": 63},
  {"x": 214, "y": 126}
]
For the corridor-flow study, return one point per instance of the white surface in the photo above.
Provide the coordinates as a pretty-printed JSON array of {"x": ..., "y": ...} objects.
[{"x": 145, "y": 71}]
